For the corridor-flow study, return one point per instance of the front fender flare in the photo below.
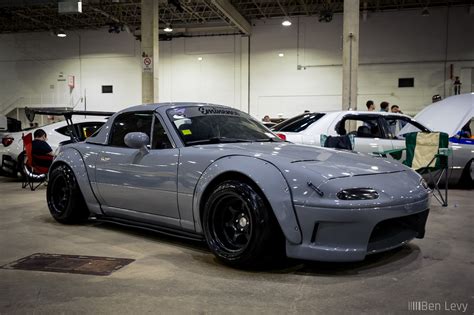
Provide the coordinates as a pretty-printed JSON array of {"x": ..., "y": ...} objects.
[
  {"x": 268, "y": 178},
  {"x": 73, "y": 158}
]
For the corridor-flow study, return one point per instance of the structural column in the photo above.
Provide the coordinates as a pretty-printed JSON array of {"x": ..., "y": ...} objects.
[
  {"x": 350, "y": 54},
  {"x": 150, "y": 51}
]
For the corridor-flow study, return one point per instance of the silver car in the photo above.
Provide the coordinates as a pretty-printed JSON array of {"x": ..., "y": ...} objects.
[{"x": 211, "y": 172}]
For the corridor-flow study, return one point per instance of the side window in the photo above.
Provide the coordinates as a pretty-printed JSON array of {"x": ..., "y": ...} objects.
[
  {"x": 130, "y": 122},
  {"x": 395, "y": 125},
  {"x": 88, "y": 129},
  {"x": 398, "y": 126},
  {"x": 65, "y": 131},
  {"x": 160, "y": 138},
  {"x": 362, "y": 127},
  {"x": 299, "y": 123},
  {"x": 85, "y": 130}
]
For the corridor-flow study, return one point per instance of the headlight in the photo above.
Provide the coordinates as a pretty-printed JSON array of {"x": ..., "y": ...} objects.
[
  {"x": 358, "y": 194},
  {"x": 423, "y": 183}
]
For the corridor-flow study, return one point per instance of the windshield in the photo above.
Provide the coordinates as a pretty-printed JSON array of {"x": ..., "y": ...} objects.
[
  {"x": 216, "y": 124},
  {"x": 298, "y": 123}
]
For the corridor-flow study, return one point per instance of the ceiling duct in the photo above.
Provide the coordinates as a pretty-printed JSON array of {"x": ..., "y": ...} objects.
[{"x": 69, "y": 6}]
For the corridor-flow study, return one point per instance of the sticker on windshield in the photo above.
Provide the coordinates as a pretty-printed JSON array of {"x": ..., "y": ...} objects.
[
  {"x": 206, "y": 110},
  {"x": 186, "y": 132},
  {"x": 195, "y": 111}
]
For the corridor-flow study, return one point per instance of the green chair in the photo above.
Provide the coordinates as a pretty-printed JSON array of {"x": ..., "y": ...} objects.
[{"x": 426, "y": 153}]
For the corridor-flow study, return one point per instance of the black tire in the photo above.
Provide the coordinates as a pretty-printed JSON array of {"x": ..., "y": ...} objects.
[
  {"x": 20, "y": 164},
  {"x": 65, "y": 201},
  {"x": 466, "y": 179},
  {"x": 240, "y": 227}
]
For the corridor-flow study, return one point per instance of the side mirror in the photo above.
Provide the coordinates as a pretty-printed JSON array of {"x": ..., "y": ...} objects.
[{"x": 136, "y": 140}]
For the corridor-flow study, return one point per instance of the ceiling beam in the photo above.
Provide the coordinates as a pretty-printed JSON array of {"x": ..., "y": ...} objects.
[
  {"x": 259, "y": 9},
  {"x": 49, "y": 26},
  {"x": 107, "y": 15},
  {"x": 232, "y": 14},
  {"x": 282, "y": 9}
]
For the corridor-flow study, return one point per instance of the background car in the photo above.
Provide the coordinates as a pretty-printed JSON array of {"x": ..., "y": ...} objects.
[
  {"x": 9, "y": 124},
  {"x": 212, "y": 172},
  {"x": 453, "y": 115},
  {"x": 11, "y": 150},
  {"x": 376, "y": 132}
]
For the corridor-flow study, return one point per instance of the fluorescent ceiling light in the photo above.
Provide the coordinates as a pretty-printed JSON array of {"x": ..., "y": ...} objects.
[
  {"x": 286, "y": 22},
  {"x": 61, "y": 34},
  {"x": 281, "y": 55},
  {"x": 200, "y": 58}
]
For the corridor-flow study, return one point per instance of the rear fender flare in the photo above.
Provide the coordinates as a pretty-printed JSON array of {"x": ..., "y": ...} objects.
[
  {"x": 73, "y": 158},
  {"x": 270, "y": 181}
]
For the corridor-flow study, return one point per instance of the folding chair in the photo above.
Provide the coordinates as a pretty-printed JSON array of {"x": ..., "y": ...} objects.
[
  {"x": 34, "y": 175},
  {"x": 345, "y": 142},
  {"x": 427, "y": 153}
]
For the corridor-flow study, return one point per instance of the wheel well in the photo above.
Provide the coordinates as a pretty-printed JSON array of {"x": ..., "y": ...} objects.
[
  {"x": 57, "y": 164},
  {"x": 228, "y": 176},
  {"x": 232, "y": 175}
]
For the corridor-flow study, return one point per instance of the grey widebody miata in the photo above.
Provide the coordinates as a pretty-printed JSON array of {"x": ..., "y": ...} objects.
[{"x": 251, "y": 199}]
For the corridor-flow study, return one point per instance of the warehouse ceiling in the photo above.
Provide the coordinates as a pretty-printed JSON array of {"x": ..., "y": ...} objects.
[{"x": 202, "y": 16}]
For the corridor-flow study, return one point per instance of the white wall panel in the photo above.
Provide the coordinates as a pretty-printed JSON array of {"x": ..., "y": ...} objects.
[
  {"x": 36, "y": 47},
  {"x": 34, "y": 69},
  {"x": 393, "y": 45},
  {"x": 216, "y": 78}
]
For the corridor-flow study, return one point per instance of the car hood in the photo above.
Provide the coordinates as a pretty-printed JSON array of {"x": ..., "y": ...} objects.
[
  {"x": 448, "y": 115},
  {"x": 327, "y": 163}
]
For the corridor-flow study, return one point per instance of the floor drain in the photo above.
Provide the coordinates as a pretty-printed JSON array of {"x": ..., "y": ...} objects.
[{"x": 87, "y": 265}]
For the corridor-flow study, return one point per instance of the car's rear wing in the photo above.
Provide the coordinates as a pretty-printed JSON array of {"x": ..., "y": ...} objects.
[{"x": 67, "y": 113}]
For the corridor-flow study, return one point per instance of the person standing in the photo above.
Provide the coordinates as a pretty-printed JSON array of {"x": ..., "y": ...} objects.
[
  {"x": 384, "y": 106},
  {"x": 393, "y": 123},
  {"x": 395, "y": 109},
  {"x": 457, "y": 86},
  {"x": 370, "y": 105}
]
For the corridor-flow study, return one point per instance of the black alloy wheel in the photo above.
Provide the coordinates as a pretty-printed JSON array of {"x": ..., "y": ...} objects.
[
  {"x": 232, "y": 224},
  {"x": 239, "y": 226},
  {"x": 65, "y": 201}
]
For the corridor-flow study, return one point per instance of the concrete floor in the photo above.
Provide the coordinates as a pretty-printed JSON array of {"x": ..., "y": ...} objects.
[{"x": 175, "y": 276}]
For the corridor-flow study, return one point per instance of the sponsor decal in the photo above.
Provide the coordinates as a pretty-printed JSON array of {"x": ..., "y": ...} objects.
[{"x": 217, "y": 111}]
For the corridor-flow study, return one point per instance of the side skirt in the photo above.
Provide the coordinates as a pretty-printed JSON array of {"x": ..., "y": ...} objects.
[{"x": 149, "y": 227}]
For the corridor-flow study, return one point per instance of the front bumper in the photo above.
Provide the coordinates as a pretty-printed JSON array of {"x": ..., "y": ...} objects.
[{"x": 351, "y": 234}]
